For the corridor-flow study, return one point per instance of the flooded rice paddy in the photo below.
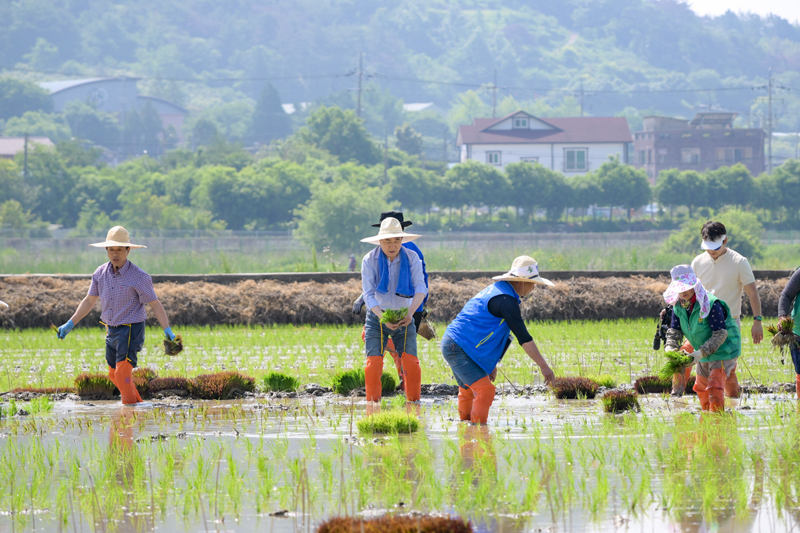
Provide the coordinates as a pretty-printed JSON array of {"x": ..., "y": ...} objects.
[{"x": 282, "y": 465}]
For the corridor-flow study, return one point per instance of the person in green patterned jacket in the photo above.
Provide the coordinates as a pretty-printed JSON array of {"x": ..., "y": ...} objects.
[
  {"x": 790, "y": 303},
  {"x": 707, "y": 323}
]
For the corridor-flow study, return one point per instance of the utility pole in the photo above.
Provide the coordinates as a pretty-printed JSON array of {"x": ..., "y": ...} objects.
[
  {"x": 25, "y": 160},
  {"x": 494, "y": 94},
  {"x": 360, "y": 75},
  {"x": 581, "y": 97},
  {"x": 444, "y": 144},
  {"x": 769, "y": 123},
  {"x": 385, "y": 155}
]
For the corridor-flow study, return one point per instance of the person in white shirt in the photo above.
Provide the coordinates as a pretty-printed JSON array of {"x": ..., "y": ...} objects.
[
  {"x": 727, "y": 275},
  {"x": 392, "y": 278}
]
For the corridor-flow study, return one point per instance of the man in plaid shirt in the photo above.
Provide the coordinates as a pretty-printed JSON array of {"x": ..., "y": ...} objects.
[{"x": 123, "y": 289}]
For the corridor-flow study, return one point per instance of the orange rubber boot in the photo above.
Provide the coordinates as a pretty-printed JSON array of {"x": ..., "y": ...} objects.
[
  {"x": 112, "y": 375},
  {"x": 465, "y": 399},
  {"x": 797, "y": 385},
  {"x": 484, "y": 396},
  {"x": 413, "y": 377},
  {"x": 716, "y": 390},
  {"x": 127, "y": 390},
  {"x": 732, "y": 388},
  {"x": 372, "y": 374},
  {"x": 679, "y": 380},
  {"x": 701, "y": 388}
]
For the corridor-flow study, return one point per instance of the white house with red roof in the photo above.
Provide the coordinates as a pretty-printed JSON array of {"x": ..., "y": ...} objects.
[{"x": 573, "y": 145}]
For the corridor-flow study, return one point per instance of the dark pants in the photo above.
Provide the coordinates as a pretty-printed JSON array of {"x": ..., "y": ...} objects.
[
  {"x": 124, "y": 343},
  {"x": 794, "y": 348},
  {"x": 417, "y": 319}
]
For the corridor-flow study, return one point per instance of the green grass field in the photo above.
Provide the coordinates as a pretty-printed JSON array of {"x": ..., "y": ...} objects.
[
  {"x": 312, "y": 354},
  {"x": 464, "y": 257}
]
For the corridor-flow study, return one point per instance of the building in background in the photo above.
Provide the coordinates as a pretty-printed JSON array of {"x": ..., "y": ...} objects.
[
  {"x": 116, "y": 96},
  {"x": 707, "y": 142},
  {"x": 11, "y": 146},
  {"x": 572, "y": 146}
]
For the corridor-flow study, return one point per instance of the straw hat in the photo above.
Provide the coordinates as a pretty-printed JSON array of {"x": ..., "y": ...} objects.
[
  {"x": 524, "y": 268},
  {"x": 390, "y": 229},
  {"x": 117, "y": 236}
]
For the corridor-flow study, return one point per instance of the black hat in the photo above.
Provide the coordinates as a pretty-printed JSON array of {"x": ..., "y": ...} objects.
[{"x": 393, "y": 214}]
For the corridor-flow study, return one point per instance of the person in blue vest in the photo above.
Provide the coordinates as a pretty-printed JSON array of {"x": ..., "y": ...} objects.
[
  {"x": 479, "y": 336},
  {"x": 420, "y": 313}
]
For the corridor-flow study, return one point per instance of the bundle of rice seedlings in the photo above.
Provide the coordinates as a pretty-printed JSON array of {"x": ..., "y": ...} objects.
[
  {"x": 393, "y": 316},
  {"x": 675, "y": 364},
  {"x": 426, "y": 330},
  {"x": 782, "y": 334},
  {"x": 95, "y": 387},
  {"x": 394, "y": 421},
  {"x": 574, "y": 388},
  {"x": 396, "y": 524},
  {"x": 173, "y": 347},
  {"x": 653, "y": 384},
  {"x": 346, "y": 382},
  {"x": 221, "y": 385},
  {"x": 280, "y": 382},
  {"x": 147, "y": 374},
  {"x": 605, "y": 380},
  {"x": 616, "y": 401},
  {"x": 176, "y": 385},
  {"x": 44, "y": 390}
]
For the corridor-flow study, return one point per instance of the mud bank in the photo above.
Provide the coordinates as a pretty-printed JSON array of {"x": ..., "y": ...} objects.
[{"x": 41, "y": 301}]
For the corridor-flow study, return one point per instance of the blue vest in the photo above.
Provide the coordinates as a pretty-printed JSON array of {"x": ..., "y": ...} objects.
[
  {"x": 478, "y": 332},
  {"x": 413, "y": 247}
]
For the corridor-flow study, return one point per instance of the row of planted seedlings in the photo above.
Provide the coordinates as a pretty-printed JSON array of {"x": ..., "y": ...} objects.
[{"x": 273, "y": 461}]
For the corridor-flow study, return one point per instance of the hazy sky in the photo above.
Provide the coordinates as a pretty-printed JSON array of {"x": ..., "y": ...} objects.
[{"x": 788, "y": 9}]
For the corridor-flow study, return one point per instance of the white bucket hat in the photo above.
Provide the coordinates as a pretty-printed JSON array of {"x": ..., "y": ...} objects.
[
  {"x": 117, "y": 236},
  {"x": 390, "y": 229},
  {"x": 524, "y": 268},
  {"x": 683, "y": 279}
]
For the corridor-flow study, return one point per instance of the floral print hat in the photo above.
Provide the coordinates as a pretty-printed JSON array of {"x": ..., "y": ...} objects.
[{"x": 683, "y": 279}]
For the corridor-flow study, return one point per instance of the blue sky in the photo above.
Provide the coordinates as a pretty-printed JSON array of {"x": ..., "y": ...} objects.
[{"x": 788, "y": 9}]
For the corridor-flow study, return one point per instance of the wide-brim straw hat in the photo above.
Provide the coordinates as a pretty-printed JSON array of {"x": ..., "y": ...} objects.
[
  {"x": 117, "y": 236},
  {"x": 524, "y": 268},
  {"x": 390, "y": 229}
]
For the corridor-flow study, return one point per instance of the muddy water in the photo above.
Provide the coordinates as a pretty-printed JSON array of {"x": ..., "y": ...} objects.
[{"x": 540, "y": 465}]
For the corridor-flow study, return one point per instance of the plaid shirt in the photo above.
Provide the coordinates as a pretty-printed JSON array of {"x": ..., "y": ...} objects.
[{"x": 122, "y": 294}]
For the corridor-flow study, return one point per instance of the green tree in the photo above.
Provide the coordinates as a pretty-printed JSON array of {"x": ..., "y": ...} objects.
[
  {"x": 341, "y": 133},
  {"x": 623, "y": 185},
  {"x": 38, "y": 124},
  {"x": 669, "y": 189},
  {"x": 534, "y": 186},
  {"x": 11, "y": 185},
  {"x": 412, "y": 187},
  {"x": 270, "y": 122},
  {"x": 50, "y": 186},
  {"x": 18, "y": 97},
  {"x": 339, "y": 215},
  {"x": 477, "y": 184},
  {"x": 204, "y": 133},
  {"x": 92, "y": 219},
  {"x": 75, "y": 153},
  {"x": 408, "y": 140},
  {"x": 43, "y": 55},
  {"x": 787, "y": 183},
  {"x": 738, "y": 184},
  {"x": 585, "y": 190},
  {"x": 88, "y": 123},
  {"x": 14, "y": 216}
]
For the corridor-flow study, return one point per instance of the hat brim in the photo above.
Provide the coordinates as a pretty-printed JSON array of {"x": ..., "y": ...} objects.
[
  {"x": 712, "y": 246},
  {"x": 407, "y": 237},
  {"x": 109, "y": 244},
  {"x": 404, "y": 224},
  {"x": 536, "y": 279}
]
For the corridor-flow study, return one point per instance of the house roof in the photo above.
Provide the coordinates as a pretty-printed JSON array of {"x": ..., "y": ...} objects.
[
  {"x": 11, "y": 146},
  {"x": 552, "y": 130},
  {"x": 167, "y": 103},
  {"x": 57, "y": 86}
]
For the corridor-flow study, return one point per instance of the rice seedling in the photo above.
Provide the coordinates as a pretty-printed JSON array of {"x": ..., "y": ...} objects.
[
  {"x": 221, "y": 386},
  {"x": 39, "y": 405},
  {"x": 388, "y": 382},
  {"x": 782, "y": 334},
  {"x": 95, "y": 387},
  {"x": 280, "y": 382},
  {"x": 393, "y": 316},
  {"x": 169, "y": 384},
  {"x": 392, "y": 421},
  {"x": 616, "y": 401},
  {"x": 675, "y": 364},
  {"x": 346, "y": 382},
  {"x": 574, "y": 388},
  {"x": 652, "y": 385},
  {"x": 604, "y": 380}
]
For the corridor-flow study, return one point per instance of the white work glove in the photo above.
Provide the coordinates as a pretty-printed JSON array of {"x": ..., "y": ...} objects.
[{"x": 696, "y": 356}]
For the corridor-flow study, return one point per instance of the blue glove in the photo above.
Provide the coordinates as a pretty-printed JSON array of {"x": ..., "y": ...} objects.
[
  {"x": 168, "y": 333},
  {"x": 64, "y": 330}
]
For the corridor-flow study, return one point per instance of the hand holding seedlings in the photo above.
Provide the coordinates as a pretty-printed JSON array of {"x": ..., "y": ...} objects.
[
  {"x": 782, "y": 334},
  {"x": 173, "y": 344}
]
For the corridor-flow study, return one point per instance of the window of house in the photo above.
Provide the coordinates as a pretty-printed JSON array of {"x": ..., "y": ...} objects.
[
  {"x": 575, "y": 159},
  {"x": 662, "y": 155},
  {"x": 642, "y": 157},
  {"x": 690, "y": 156},
  {"x": 520, "y": 123},
  {"x": 649, "y": 157},
  {"x": 734, "y": 155},
  {"x": 529, "y": 159},
  {"x": 493, "y": 158}
]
